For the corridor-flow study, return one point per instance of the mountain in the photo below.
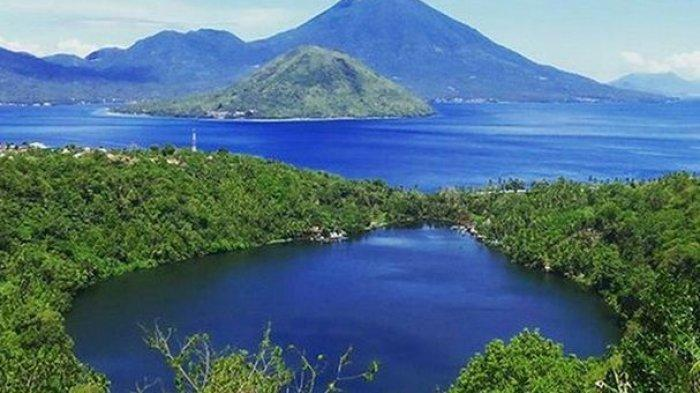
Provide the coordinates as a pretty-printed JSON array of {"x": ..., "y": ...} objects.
[
  {"x": 180, "y": 62},
  {"x": 27, "y": 79},
  {"x": 165, "y": 65},
  {"x": 308, "y": 82},
  {"x": 407, "y": 41},
  {"x": 435, "y": 55},
  {"x": 30, "y": 66},
  {"x": 66, "y": 60},
  {"x": 668, "y": 84}
]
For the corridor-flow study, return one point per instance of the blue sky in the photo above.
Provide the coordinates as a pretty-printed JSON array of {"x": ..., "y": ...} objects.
[{"x": 602, "y": 39}]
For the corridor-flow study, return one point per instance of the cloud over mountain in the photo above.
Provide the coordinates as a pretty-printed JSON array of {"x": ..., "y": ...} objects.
[{"x": 685, "y": 64}]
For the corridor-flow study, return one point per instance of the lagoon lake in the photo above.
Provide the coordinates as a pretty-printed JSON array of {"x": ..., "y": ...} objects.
[{"x": 421, "y": 301}]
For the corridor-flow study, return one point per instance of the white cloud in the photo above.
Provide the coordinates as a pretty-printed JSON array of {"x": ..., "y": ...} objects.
[
  {"x": 75, "y": 46},
  {"x": 261, "y": 22},
  {"x": 16, "y": 46},
  {"x": 633, "y": 58},
  {"x": 685, "y": 64},
  {"x": 79, "y": 26},
  {"x": 247, "y": 20}
]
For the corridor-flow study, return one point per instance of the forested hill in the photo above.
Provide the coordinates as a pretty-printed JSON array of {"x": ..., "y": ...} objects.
[
  {"x": 309, "y": 82},
  {"x": 71, "y": 217},
  {"x": 68, "y": 219},
  {"x": 637, "y": 245}
]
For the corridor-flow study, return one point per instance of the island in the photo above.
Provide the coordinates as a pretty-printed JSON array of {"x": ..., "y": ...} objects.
[{"x": 309, "y": 82}]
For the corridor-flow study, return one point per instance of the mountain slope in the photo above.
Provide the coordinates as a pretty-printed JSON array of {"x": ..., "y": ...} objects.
[
  {"x": 28, "y": 79},
  {"x": 668, "y": 84},
  {"x": 29, "y": 66},
  {"x": 66, "y": 60},
  {"x": 165, "y": 65},
  {"x": 180, "y": 62},
  {"x": 404, "y": 40},
  {"x": 309, "y": 82},
  {"x": 436, "y": 55}
]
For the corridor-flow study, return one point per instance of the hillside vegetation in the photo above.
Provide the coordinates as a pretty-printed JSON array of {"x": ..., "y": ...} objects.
[
  {"x": 637, "y": 245},
  {"x": 70, "y": 218},
  {"x": 309, "y": 82}
]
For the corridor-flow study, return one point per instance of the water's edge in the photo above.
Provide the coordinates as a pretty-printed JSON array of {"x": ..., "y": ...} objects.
[{"x": 281, "y": 262}]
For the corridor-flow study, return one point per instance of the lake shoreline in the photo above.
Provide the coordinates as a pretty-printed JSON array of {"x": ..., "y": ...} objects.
[{"x": 303, "y": 265}]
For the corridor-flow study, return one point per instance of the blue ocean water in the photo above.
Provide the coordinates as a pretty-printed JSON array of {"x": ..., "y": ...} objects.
[{"x": 464, "y": 145}]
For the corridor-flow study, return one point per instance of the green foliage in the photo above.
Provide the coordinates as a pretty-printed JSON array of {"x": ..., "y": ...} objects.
[
  {"x": 309, "y": 82},
  {"x": 69, "y": 218},
  {"x": 235, "y": 374},
  {"x": 88, "y": 388},
  {"x": 638, "y": 245},
  {"x": 529, "y": 363},
  {"x": 199, "y": 368}
]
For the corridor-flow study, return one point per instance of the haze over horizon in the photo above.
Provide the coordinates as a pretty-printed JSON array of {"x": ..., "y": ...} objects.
[{"x": 602, "y": 40}]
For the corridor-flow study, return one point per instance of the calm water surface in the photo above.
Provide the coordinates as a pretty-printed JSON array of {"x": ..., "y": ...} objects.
[
  {"x": 421, "y": 301},
  {"x": 463, "y": 145}
]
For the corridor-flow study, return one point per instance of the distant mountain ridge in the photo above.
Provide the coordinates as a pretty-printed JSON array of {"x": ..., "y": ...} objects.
[
  {"x": 201, "y": 59},
  {"x": 309, "y": 82},
  {"x": 435, "y": 55},
  {"x": 668, "y": 84},
  {"x": 407, "y": 41},
  {"x": 66, "y": 60},
  {"x": 26, "y": 78},
  {"x": 165, "y": 65}
]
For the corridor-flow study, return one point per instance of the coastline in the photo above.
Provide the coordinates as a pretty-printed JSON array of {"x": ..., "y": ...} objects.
[{"x": 111, "y": 113}]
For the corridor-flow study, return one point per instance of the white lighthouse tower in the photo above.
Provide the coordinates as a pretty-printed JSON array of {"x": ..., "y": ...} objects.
[{"x": 194, "y": 141}]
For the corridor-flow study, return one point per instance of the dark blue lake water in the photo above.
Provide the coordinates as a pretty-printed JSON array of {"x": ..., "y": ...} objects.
[
  {"x": 463, "y": 145},
  {"x": 422, "y": 301}
]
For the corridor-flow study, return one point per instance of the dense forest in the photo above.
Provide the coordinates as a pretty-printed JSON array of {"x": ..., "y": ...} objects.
[
  {"x": 636, "y": 244},
  {"x": 71, "y": 217}
]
